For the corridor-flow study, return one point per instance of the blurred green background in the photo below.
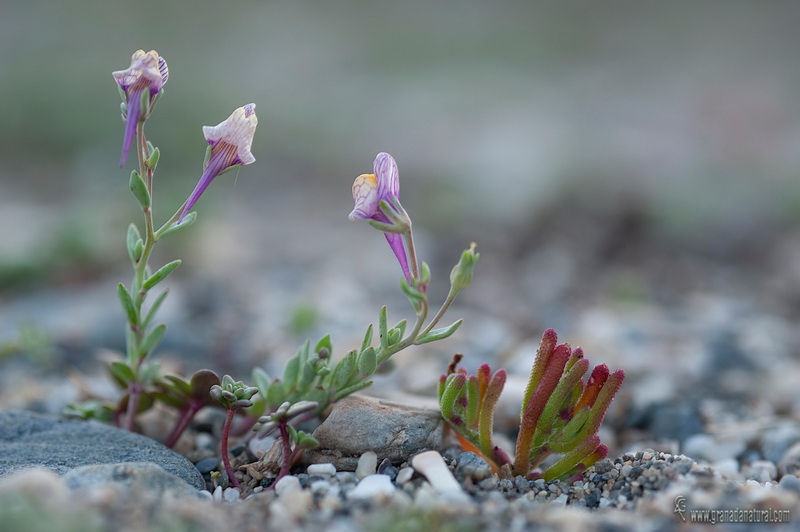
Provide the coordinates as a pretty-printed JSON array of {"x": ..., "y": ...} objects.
[{"x": 506, "y": 119}]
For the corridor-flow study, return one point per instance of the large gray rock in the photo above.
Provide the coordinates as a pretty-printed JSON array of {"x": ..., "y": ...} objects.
[
  {"x": 60, "y": 445},
  {"x": 358, "y": 424}
]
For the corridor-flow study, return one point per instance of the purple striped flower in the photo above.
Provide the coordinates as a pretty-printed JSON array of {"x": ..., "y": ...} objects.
[
  {"x": 148, "y": 72},
  {"x": 230, "y": 143},
  {"x": 369, "y": 190}
]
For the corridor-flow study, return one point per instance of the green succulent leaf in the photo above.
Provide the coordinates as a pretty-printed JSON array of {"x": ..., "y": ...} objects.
[
  {"x": 122, "y": 373},
  {"x": 438, "y": 334},
  {"x": 291, "y": 371},
  {"x": 382, "y": 328},
  {"x": 154, "y": 308},
  {"x": 132, "y": 238},
  {"x": 139, "y": 189},
  {"x": 344, "y": 392},
  {"x": 188, "y": 220},
  {"x": 127, "y": 304},
  {"x": 152, "y": 339},
  {"x": 367, "y": 338},
  {"x": 161, "y": 274},
  {"x": 367, "y": 362},
  {"x": 344, "y": 372}
]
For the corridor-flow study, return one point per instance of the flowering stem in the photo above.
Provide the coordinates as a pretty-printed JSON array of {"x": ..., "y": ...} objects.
[
  {"x": 226, "y": 429},
  {"x": 412, "y": 253},
  {"x": 446, "y": 305}
]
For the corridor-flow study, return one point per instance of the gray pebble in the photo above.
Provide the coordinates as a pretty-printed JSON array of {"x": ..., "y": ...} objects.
[{"x": 470, "y": 465}]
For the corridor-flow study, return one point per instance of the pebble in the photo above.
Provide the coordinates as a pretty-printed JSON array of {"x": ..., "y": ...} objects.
[
  {"x": 231, "y": 495},
  {"x": 288, "y": 484},
  {"x": 431, "y": 465},
  {"x": 790, "y": 461},
  {"x": 367, "y": 465},
  {"x": 373, "y": 487},
  {"x": 207, "y": 465},
  {"x": 470, "y": 465},
  {"x": 761, "y": 471},
  {"x": 404, "y": 475},
  {"x": 325, "y": 470}
]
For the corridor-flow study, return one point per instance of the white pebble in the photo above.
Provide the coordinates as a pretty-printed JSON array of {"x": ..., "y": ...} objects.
[
  {"x": 231, "y": 495},
  {"x": 431, "y": 464},
  {"x": 217, "y": 495},
  {"x": 288, "y": 484},
  {"x": 367, "y": 465},
  {"x": 372, "y": 487},
  {"x": 322, "y": 469},
  {"x": 561, "y": 500},
  {"x": 404, "y": 475}
]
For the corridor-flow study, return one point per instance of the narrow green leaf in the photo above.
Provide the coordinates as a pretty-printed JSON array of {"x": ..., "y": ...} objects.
[
  {"x": 155, "y": 154},
  {"x": 394, "y": 337},
  {"x": 344, "y": 392},
  {"x": 438, "y": 334},
  {"x": 122, "y": 372},
  {"x": 344, "y": 372},
  {"x": 139, "y": 189},
  {"x": 275, "y": 394},
  {"x": 127, "y": 304},
  {"x": 152, "y": 339},
  {"x": 133, "y": 237},
  {"x": 384, "y": 336},
  {"x": 367, "y": 362},
  {"x": 187, "y": 221},
  {"x": 291, "y": 371},
  {"x": 154, "y": 308},
  {"x": 412, "y": 293},
  {"x": 161, "y": 274},
  {"x": 401, "y": 326},
  {"x": 367, "y": 342},
  {"x": 148, "y": 373},
  {"x": 307, "y": 376},
  {"x": 261, "y": 380},
  {"x": 303, "y": 352}
]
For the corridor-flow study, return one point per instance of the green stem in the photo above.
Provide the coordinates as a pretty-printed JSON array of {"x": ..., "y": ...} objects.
[{"x": 446, "y": 305}]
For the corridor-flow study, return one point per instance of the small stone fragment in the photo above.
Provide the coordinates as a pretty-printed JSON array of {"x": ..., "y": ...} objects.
[
  {"x": 404, "y": 475},
  {"x": 432, "y": 466},
  {"x": 373, "y": 487},
  {"x": 367, "y": 464},
  {"x": 288, "y": 484},
  {"x": 326, "y": 470}
]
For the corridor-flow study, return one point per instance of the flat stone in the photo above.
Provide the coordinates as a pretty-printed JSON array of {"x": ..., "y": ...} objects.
[
  {"x": 61, "y": 445},
  {"x": 358, "y": 424}
]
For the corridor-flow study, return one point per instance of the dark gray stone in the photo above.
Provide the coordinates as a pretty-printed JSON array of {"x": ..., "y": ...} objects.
[{"x": 60, "y": 445}]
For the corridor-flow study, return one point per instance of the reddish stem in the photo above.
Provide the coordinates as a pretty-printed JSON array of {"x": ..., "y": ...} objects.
[
  {"x": 187, "y": 414},
  {"x": 287, "y": 451},
  {"x": 226, "y": 429},
  {"x": 134, "y": 389}
]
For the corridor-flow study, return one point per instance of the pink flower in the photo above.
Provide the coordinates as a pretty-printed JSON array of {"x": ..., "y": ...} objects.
[
  {"x": 148, "y": 72},
  {"x": 230, "y": 143},
  {"x": 368, "y": 192}
]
